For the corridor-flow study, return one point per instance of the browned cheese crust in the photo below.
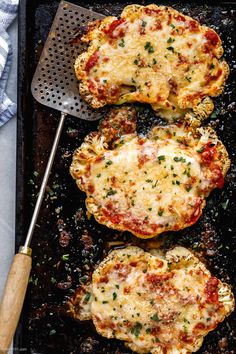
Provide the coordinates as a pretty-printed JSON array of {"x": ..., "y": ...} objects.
[
  {"x": 148, "y": 185},
  {"x": 155, "y": 303},
  {"x": 156, "y": 55}
]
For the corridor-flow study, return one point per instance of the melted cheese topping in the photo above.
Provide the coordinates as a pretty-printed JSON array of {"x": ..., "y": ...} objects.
[
  {"x": 156, "y": 55},
  {"x": 150, "y": 185},
  {"x": 156, "y": 304}
]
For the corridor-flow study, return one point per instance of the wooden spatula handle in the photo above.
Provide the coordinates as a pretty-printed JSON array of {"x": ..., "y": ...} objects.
[{"x": 13, "y": 298}]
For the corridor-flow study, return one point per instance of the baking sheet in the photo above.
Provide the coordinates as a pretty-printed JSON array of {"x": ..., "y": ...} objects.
[{"x": 57, "y": 271}]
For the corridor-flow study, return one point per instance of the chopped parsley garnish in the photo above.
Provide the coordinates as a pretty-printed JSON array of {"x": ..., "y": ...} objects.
[
  {"x": 122, "y": 43},
  {"x": 65, "y": 257},
  {"x": 160, "y": 212},
  {"x": 201, "y": 149},
  {"x": 188, "y": 188},
  {"x": 53, "y": 280},
  {"x": 148, "y": 330},
  {"x": 121, "y": 142},
  {"x": 212, "y": 66},
  {"x": 136, "y": 61},
  {"x": 179, "y": 159},
  {"x": 171, "y": 25},
  {"x": 185, "y": 328},
  {"x": 117, "y": 286},
  {"x": 149, "y": 180},
  {"x": 111, "y": 192},
  {"x": 186, "y": 321},
  {"x": 154, "y": 61},
  {"x": 177, "y": 182},
  {"x": 224, "y": 205},
  {"x": 108, "y": 163},
  {"x": 105, "y": 302},
  {"x": 155, "y": 184},
  {"x": 213, "y": 115},
  {"x": 114, "y": 296},
  {"x": 149, "y": 47},
  {"x": 155, "y": 318},
  {"x": 144, "y": 23},
  {"x": 87, "y": 297},
  {"x": 170, "y": 40},
  {"x": 149, "y": 209},
  {"x": 136, "y": 329},
  {"x": 171, "y": 49},
  {"x": 161, "y": 158},
  {"x": 98, "y": 175},
  {"x": 188, "y": 78}
]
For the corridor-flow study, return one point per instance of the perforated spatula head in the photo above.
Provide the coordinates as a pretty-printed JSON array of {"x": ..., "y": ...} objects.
[{"x": 54, "y": 83}]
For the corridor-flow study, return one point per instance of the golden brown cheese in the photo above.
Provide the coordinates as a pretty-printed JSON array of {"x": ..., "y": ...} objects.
[
  {"x": 148, "y": 185},
  {"x": 152, "y": 54},
  {"x": 155, "y": 304}
]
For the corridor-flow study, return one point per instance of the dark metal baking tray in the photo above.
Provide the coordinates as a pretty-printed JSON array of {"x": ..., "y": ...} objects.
[{"x": 44, "y": 326}]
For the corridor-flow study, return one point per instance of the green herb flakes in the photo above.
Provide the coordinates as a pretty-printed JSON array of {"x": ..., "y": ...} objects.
[
  {"x": 201, "y": 150},
  {"x": 224, "y": 205},
  {"x": 87, "y": 297},
  {"x": 108, "y": 163},
  {"x": 149, "y": 47},
  {"x": 122, "y": 43},
  {"x": 136, "y": 329},
  {"x": 65, "y": 257},
  {"x": 171, "y": 49},
  {"x": 161, "y": 158},
  {"x": 170, "y": 40},
  {"x": 111, "y": 192},
  {"x": 179, "y": 159},
  {"x": 188, "y": 188},
  {"x": 155, "y": 318}
]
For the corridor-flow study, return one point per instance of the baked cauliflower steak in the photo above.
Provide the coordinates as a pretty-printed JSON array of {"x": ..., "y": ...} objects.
[
  {"x": 152, "y": 54},
  {"x": 148, "y": 184},
  {"x": 154, "y": 303}
]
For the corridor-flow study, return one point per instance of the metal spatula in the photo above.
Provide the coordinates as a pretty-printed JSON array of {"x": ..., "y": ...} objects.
[{"x": 54, "y": 85}]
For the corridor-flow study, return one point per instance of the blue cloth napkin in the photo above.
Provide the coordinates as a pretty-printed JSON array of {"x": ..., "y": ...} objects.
[{"x": 8, "y": 11}]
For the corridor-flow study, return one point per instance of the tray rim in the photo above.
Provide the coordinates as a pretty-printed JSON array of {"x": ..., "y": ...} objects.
[{"x": 23, "y": 81}]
